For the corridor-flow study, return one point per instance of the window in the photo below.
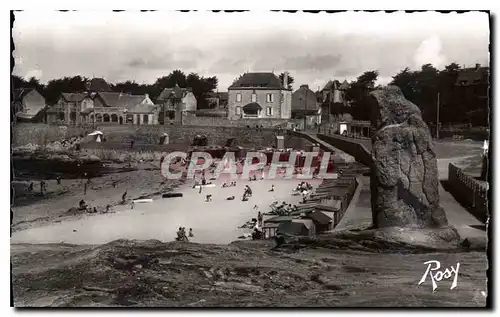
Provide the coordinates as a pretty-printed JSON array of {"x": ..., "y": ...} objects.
[
  {"x": 269, "y": 111},
  {"x": 282, "y": 97},
  {"x": 238, "y": 110},
  {"x": 269, "y": 98},
  {"x": 238, "y": 97},
  {"x": 254, "y": 97}
]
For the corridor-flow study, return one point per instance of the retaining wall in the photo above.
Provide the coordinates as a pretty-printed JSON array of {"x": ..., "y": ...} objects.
[{"x": 469, "y": 192}]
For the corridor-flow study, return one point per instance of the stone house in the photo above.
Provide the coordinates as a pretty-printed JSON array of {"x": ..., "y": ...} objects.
[
  {"x": 27, "y": 103},
  {"x": 217, "y": 100},
  {"x": 471, "y": 92},
  {"x": 335, "y": 92},
  {"x": 306, "y": 106},
  {"x": 103, "y": 107},
  {"x": 259, "y": 95},
  {"x": 176, "y": 102}
]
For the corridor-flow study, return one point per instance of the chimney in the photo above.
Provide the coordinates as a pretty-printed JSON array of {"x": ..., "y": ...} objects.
[
  {"x": 477, "y": 66},
  {"x": 285, "y": 79}
]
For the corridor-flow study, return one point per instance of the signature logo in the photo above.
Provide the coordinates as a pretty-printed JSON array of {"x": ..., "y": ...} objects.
[{"x": 437, "y": 275}]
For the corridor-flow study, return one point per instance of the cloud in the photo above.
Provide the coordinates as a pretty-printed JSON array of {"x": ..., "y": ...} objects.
[
  {"x": 314, "y": 48},
  {"x": 312, "y": 62},
  {"x": 430, "y": 52},
  {"x": 161, "y": 62}
]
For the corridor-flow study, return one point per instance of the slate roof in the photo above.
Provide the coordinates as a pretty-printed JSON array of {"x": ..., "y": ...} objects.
[
  {"x": 319, "y": 217},
  {"x": 116, "y": 99},
  {"x": 279, "y": 219},
  {"x": 142, "y": 108},
  {"x": 474, "y": 75},
  {"x": 20, "y": 93},
  {"x": 258, "y": 80},
  {"x": 335, "y": 84},
  {"x": 345, "y": 85},
  {"x": 252, "y": 107},
  {"x": 176, "y": 91},
  {"x": 74, "y": 97},
  {"x": 98, "y": 85}
]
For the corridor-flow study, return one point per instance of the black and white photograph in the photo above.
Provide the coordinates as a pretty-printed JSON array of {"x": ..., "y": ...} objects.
[{"x": 250, "y": 159}]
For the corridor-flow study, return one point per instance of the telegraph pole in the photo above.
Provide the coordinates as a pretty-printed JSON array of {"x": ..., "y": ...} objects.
[
  {"x": 437, "y": 119},
  {"x": 305, "y": 112}
]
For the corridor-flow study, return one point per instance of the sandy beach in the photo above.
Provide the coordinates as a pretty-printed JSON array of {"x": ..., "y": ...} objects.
[{"x": 212, "y": 222}]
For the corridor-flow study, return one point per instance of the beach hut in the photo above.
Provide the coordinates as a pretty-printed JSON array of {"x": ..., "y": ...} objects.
[
  {"x": 280, "y": 142},
  {"x": 96, "y": 135}
]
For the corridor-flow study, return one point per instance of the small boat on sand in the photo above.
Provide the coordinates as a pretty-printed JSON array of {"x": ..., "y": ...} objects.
[
  {"x": 171, "y": 195},
  {"x": 147, "y": 200},
  {"x": 205, "y": 186}
]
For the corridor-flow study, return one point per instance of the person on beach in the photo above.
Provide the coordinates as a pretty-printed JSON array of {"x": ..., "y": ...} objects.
[
  {"x": 260, "y": 218},
  {"x": 191, "y": 232},
  {"x": 272, "y": 188},
  {"x": 230, "y": 198},
  {"x": 42, "y": 187},
  {"x": 248, "y": 191},
  {"x": 200, "y": 189},
  {"x": 132, "y": 204},
  {"x": 58, "y": 179},
  {"x": 82, "y": 205},
  {"x": 208, "y": 198},
  {"x": 124, "y": 196}
]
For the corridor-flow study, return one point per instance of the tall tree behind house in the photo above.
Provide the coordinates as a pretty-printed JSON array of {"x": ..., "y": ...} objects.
[
  {"x": 358, "y": 94},
  {"x": 422, "y": 86}
]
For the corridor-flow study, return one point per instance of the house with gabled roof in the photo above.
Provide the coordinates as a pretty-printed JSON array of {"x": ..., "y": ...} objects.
[
  {"x": 335, "y": 92},
  {"x": 98, "y": 106},
  {"x": 305, "y": 104},
  {"x": 259, "y": 95},
  {"x": 27, "y": 103},
  {"x": 98, "y": 85},
  {"x": 176, "y": 102}
]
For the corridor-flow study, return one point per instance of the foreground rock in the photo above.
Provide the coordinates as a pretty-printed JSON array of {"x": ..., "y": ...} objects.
[
  {"x": 405, "y": 181},
  {"x": 243, "y": 274}
]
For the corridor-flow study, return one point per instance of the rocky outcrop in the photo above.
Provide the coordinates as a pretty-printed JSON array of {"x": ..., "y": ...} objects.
[{"x": 405, "y": 179}]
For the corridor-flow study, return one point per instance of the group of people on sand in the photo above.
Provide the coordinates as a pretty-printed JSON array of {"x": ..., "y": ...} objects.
[
  {"x": 232, "y": 184},
  {"x": 181, "y": 234},
  {"x": 83, "y": 206},
  {"x": 303, "y": 186}
]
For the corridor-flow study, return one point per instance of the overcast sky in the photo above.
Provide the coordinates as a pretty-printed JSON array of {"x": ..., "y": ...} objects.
[{"x": 312, "y": 47}]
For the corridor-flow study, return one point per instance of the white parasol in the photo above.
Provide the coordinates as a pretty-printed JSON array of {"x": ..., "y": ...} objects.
[{"x": 96, "y": 133}]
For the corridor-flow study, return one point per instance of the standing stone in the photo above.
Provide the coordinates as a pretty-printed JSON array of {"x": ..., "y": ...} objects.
[{"x": 404, "y": 183}]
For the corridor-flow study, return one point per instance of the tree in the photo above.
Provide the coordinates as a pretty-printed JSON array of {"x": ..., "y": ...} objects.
[
  {"x": 200, "y": 86},
  {"x": 290, "y": 80},
  {"x": 358, "y": 95},
  {"x": 422, "y": 87},
  {"x": 55, "y": 87}
]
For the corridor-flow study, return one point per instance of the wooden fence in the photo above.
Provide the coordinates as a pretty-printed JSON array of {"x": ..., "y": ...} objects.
[{"x": 469, "y": 192}]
